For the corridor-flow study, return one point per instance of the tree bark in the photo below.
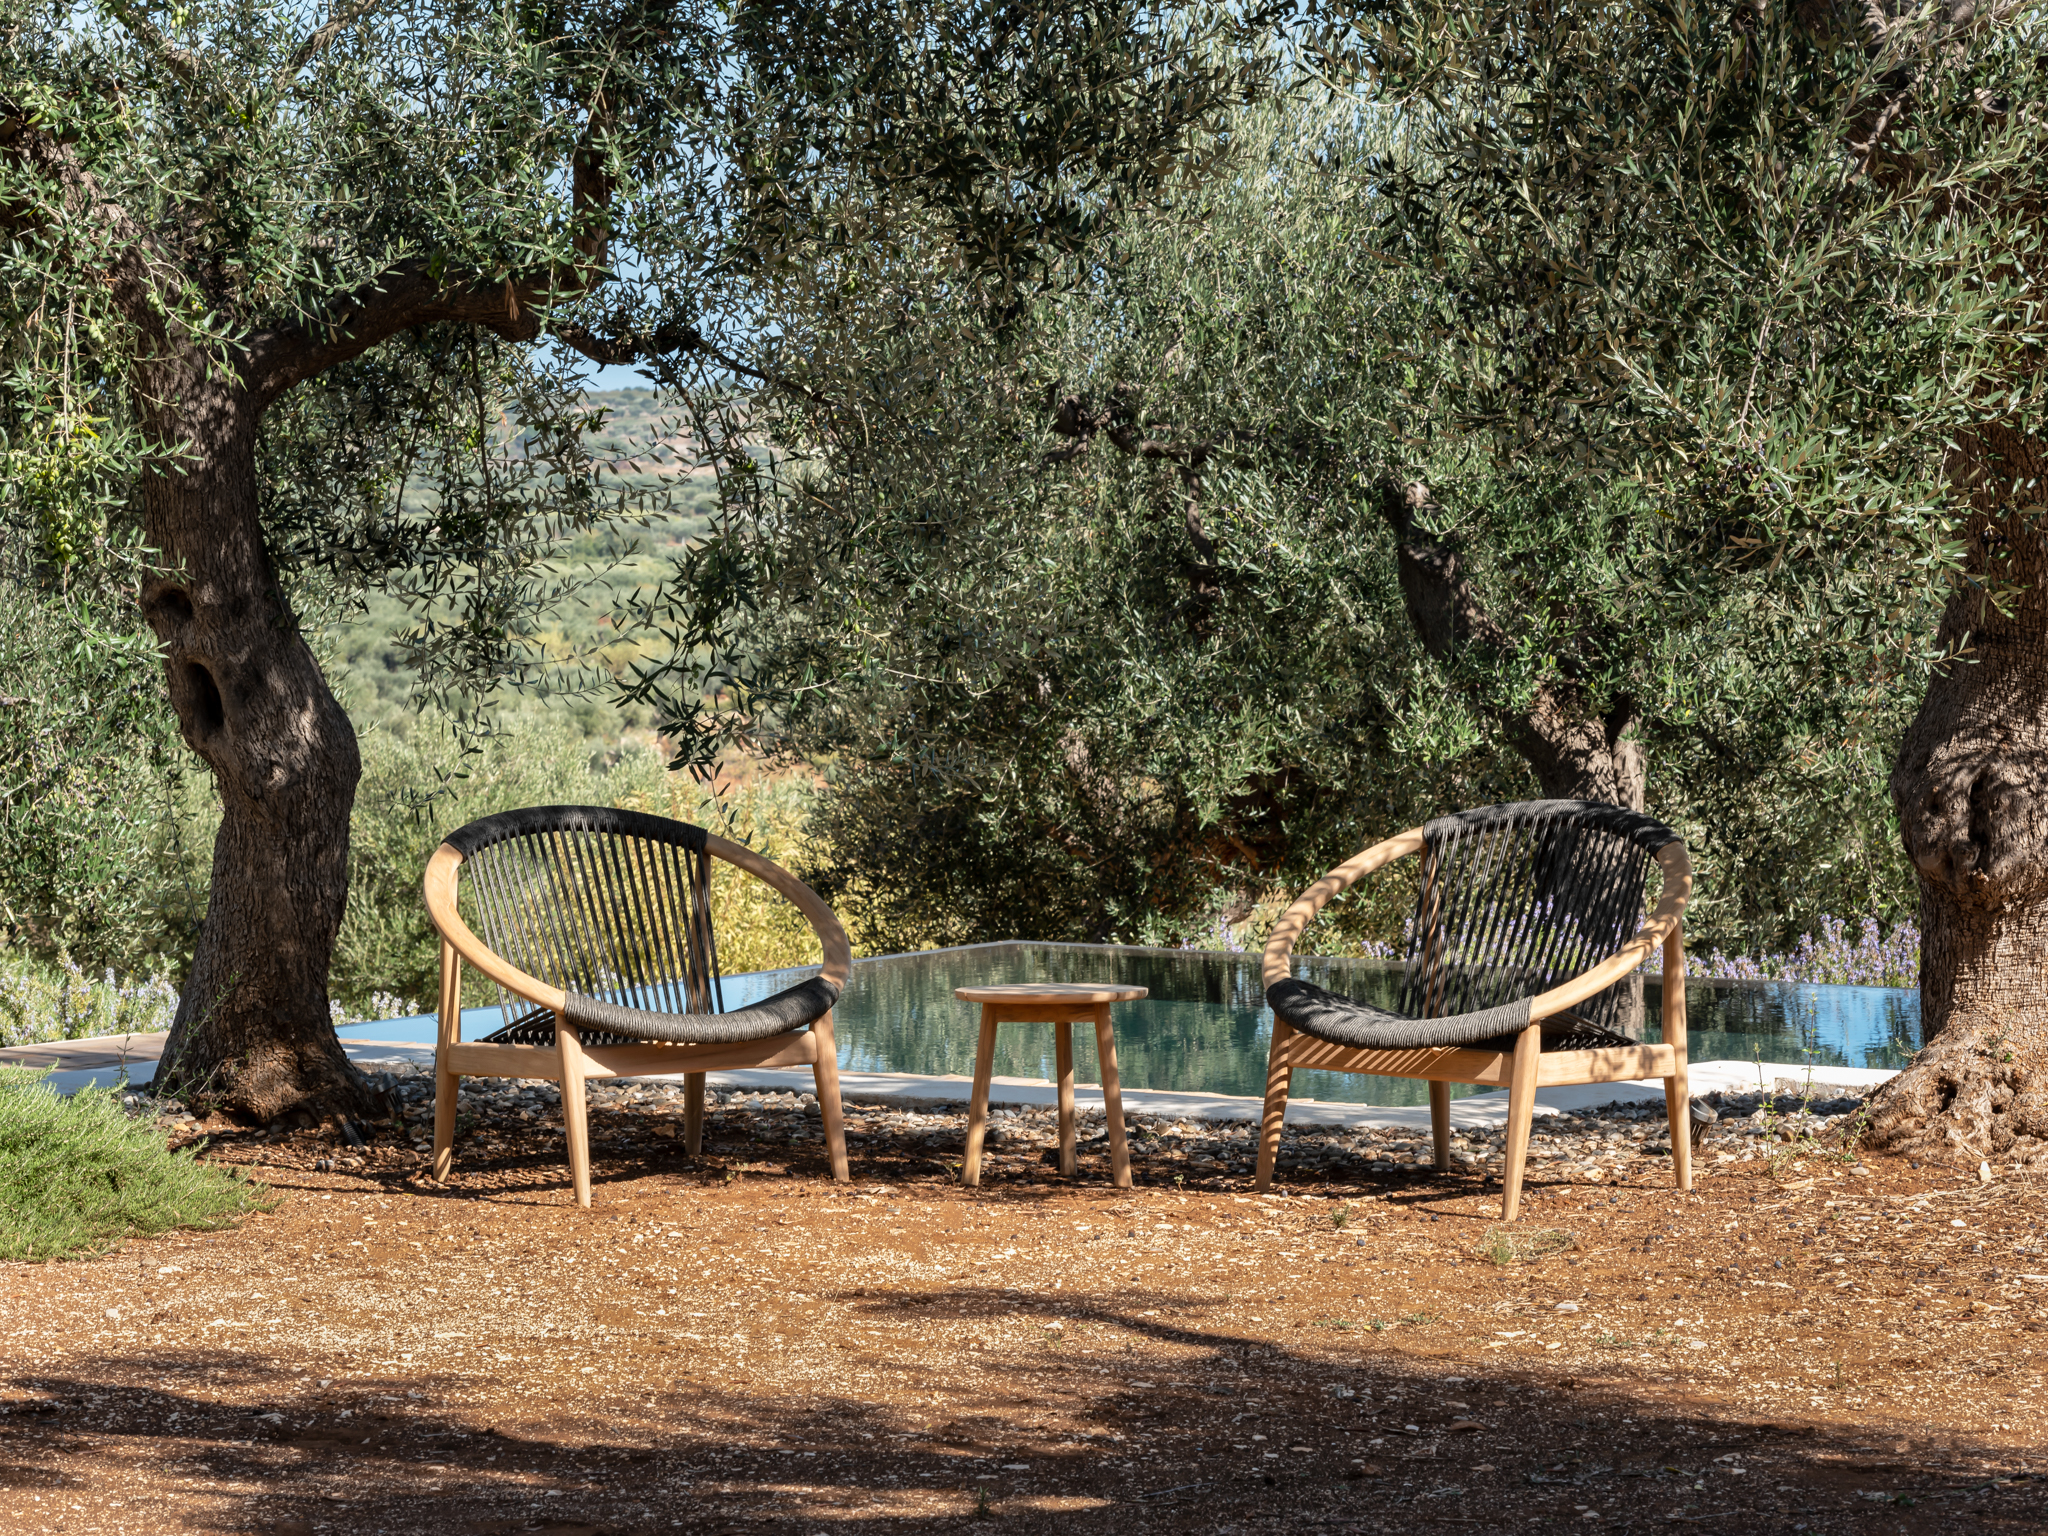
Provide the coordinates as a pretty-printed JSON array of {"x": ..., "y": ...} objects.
[
  {"x": 1577, "y": 751},
  {"x": 252, "y": 1034},
  {"x": 1971, "y": 787}
]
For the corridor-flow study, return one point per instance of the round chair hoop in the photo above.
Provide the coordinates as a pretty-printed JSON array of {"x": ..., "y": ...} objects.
[
  {"x": 602, "y": 917},
  {"x": 1524, "y": 911}
]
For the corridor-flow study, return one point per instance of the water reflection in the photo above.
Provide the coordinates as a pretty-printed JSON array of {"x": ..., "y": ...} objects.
[{"x": 1205, "y": 1027}]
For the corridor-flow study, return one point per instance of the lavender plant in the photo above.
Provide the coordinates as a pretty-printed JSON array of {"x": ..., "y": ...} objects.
[
  {"x": 41, "y": 1001},
  {"x": 1872, "y": 958}
]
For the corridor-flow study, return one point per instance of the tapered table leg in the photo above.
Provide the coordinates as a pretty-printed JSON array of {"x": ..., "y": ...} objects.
[
  {"x": 977, "y": 1107},
  {"x": 1112, "y": 1099},
  {"x": 1063, "y": 1048}
]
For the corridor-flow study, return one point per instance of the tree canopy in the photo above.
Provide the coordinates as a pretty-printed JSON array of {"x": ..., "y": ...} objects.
[
  {"x": 289, "y": 294},
  {"x": 1128, "y": 608}
]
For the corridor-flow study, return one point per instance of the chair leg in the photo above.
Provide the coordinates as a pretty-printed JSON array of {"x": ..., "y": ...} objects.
[
  {"x": 825, "y": 1073},
  {"x": 1678, "y": 1109},
  {"x": 1278, "y": 1075},
  {"x": 1063, "y": 1057},
  {"x": 1112, "y": 1098},
  {"x": 693, "y": 1113},
  {"x": 575, "y": 1119},
  {"x": 1521, "y": 1110},
  {"x": 447, "y": 1085},
  {"x": 1677, "y": 1090},
  {"x": 446, "y": 1088},
  {"x": 1440, "y": 1124},
  {"x": 977, "y": 1105}
]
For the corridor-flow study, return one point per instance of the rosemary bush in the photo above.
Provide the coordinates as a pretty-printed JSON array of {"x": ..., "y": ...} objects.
[{"x": 78, "y": 1174}]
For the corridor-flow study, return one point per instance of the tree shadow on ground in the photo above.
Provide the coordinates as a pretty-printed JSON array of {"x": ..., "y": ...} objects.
[{"x": 1221, "y": 1433}]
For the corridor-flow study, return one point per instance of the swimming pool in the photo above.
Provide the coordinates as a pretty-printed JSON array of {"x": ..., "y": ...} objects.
[{"x": 1205, "y": 1027}]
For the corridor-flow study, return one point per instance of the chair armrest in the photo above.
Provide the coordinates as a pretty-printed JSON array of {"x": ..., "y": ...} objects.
[
  {"x": 1279, "y": 956},
  {"x": 1666, "y": 920},
  {"x": 824, "y": 922},
  {"x": 441, "y": 911}
]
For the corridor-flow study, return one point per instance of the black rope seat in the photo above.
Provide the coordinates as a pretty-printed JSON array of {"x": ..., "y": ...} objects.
[
  {"x": 1514, "y": 900},
  {"x": 613, "y": 907}
]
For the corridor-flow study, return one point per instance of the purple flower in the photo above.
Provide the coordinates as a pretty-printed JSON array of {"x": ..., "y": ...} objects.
[{"x": 1831, "y": 957}]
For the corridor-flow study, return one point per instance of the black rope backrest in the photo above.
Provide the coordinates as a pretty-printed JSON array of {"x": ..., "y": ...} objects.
[
  {"x": 1517, "y": 898},
  {"x": 608, "y": 904}
]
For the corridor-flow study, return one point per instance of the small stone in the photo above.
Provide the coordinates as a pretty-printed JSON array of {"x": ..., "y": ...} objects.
[
  {"x": 1983, "y": 1173},
  {"x": 1567, "y": 1306}
]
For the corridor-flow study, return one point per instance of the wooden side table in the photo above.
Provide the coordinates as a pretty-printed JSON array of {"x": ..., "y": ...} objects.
[{"x": 1061, "y": 1004}]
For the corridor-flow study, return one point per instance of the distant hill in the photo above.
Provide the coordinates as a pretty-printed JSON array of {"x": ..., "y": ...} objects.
[{"x": 364, "y": 661}]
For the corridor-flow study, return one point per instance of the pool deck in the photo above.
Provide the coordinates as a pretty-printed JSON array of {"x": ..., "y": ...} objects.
[{"x": 76, "y": 1064}]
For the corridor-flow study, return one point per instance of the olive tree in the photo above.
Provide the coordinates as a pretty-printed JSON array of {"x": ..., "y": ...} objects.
[
  {"x": 1790, "y": 253},
  {"x": 1192, "y": 578},
  {"x": 297, "y": 240}
]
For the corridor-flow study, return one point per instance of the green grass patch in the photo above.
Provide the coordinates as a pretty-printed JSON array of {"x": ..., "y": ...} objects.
[
  {"x": 1510, "y": 1245},
  {"x": 77, "y": 1175}
]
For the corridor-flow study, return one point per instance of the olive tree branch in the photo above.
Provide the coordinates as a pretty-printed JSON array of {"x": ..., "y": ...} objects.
[
  {"x": 408, "y": 294},
  {"x": 182, "y": 62},
  {"x": 611, "y": 351},
  {"x": 134, "y": 276},
  {"x": 345, "y": 16}
]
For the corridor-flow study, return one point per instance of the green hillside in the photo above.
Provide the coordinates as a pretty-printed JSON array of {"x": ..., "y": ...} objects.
[{"x": 365, "y": 660}]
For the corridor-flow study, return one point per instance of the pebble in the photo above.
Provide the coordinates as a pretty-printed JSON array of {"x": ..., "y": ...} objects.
[{"x": 1593, "y": 1145}]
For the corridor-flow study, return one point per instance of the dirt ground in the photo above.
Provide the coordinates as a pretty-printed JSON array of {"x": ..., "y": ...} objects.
[{"x": 737, "y": 1345}]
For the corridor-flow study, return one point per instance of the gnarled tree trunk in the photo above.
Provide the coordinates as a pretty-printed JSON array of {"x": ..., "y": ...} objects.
[
  {"x": 252, "y": 1033},
  {"x": 1971, "y": 787},
  {"x": 1577, "y": 751}
]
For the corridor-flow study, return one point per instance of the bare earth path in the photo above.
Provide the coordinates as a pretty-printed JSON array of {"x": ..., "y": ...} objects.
[{"x": 737, "y": 1346}]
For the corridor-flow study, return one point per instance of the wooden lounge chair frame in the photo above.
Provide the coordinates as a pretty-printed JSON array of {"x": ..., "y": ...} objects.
[
  {"x": 572, "y": 1063},
  {"x": 1521, "y": 1070}
]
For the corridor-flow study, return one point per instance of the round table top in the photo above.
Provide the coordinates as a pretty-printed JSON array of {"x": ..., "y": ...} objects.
[{"x": 1050, "y": 992}]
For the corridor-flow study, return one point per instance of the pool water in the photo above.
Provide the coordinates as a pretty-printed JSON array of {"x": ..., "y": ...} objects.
[{"x": 1205, "y": 1027}]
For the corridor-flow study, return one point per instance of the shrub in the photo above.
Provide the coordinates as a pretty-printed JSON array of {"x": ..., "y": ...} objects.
[
  {"x": 90, "y": 780},
  {"x": 77, "y": 1175},
  {"x": 58, "y": 1001},
  {"x": 1872, "y": 959}
]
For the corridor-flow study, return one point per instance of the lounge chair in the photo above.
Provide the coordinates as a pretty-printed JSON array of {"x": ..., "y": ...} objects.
[
  {"x": 601, "y": 921},
  {"x": 1528, "y": 922}
]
